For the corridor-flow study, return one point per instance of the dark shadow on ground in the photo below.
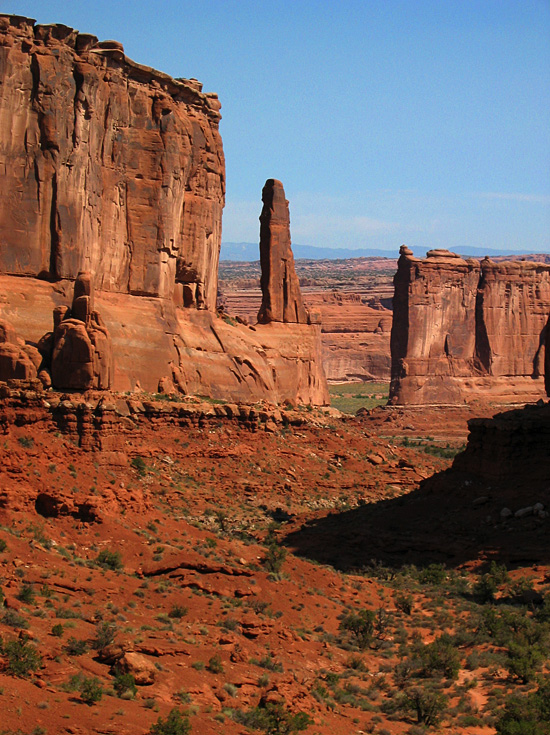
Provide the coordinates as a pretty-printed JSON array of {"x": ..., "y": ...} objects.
[{"x": 455, "y": 516}]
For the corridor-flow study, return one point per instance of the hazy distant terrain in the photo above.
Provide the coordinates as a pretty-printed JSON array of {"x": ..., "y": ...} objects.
[{"x": 248, "y": 251}]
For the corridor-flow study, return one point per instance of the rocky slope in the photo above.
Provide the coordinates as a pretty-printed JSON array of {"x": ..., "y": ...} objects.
[
  {"x": 462, "y": 328},
  {"x": 117, "y": 170}
]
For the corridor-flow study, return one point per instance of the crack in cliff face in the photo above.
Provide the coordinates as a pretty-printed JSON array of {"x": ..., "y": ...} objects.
[{"x": 55, "y": 254}]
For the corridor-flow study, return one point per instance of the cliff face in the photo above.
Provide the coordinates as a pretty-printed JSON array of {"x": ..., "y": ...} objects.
[
  {"x": 464, "y": 330},
  {"x": 107, "y": 166},
  {"x": 116, "y": 171}
]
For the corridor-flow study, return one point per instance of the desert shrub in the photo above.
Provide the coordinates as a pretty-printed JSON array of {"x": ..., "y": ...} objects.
[
  {"x": 527, "y": 715},
  {"x": 215, "y": 665},
  {"x": 26, "y": 594},
  {"x": 176, "y": 723},
  {"x": 124, "y": 685},
  {"x": 524, "y": 661},
  {"x": 440, "y": 656},
  {"x": 104, "y": 635},
  {"x": 360, "y": 626},
  {"x": 433, "y": 574},
  {"x": 485, "y": 588},
  {"x": 138, "y": 463},
  {"x": 21, "y": 656},
  {"x": 75, "y": 647},
  {"x": 178, "y": 611},
  {"x": 90, "y": 689},
  {"x": 273, "y": 719},
  {"x": 404, "y": 602},
  {"x": 109, "y": 559},
  {"x": 14, "y": 619},
  {"x": 57, "y": 630},
  {"x": 275, "y": 555},
  {"x": 274, "y": 558},
  {"x": 3, "y": 545},
  {"x": 428, "y": 705}
]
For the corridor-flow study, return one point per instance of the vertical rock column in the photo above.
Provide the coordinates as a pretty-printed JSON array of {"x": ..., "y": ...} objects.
[
  {"x": 281, "y": 296},
  {"x": 82, "y": 353}
]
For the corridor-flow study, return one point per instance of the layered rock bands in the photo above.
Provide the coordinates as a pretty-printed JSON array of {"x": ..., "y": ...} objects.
[
  {"x": 116, "y": 170},
  {"x": 464, "y": 329}
]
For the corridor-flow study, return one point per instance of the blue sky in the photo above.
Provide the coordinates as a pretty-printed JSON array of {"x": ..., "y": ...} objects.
[{"x": 388, "y": 121}]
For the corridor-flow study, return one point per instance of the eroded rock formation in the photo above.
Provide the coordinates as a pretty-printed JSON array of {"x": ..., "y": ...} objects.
[
  {"x": 281, "y": 297},
  {"x": 18, "y": 361},
  {"x": 107, "y": 166},
  {"x": 464, "y": 330},
  {"x": 82, "y": 356},
  {"x": 117, "y": 170}
]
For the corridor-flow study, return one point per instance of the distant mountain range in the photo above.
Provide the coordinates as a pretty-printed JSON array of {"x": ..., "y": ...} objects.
[{"x": 249, "y": 251}]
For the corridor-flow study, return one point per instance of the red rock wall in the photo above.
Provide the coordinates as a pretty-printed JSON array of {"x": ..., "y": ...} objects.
[
  {"x": 115, "y": 169},
  {"x": 464, "y": 330},
  {"x": 107, "y": 166}
]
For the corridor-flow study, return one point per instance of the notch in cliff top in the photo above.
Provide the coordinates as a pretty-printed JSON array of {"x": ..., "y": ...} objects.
[{"x": 281, "y": 296}]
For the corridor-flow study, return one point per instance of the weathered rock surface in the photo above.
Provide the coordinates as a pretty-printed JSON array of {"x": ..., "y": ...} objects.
[
  {"x": 464, "y": 329},
  {"x": 117, "y": 170},
  {"x": 281, "y": 297},
  {"x": 82, "y": 356},
  {"x": 547, "y": 359},
  {"x": 18, "y": 361},
  {"x": 107, "y": 166}
]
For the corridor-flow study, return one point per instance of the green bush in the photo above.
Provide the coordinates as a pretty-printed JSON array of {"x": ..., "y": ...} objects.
[
  {"x": 26, "y": 594},
  {"x": 104, "y": 635},
  {"x": 124, "y": 685},
  {"x": 527, "y": 715},
  {"x": 22, "y": 657},
  {"x": 427, "y": 704},
  {"x": 177, "y": 723},
  {"x": 440, "y": 656},
  {"x": 76, "y": 647},
  {"x": 90, "y": 689},
  {"x": 215, "y": 665},
  {"x": 360, "y": 626},
  {"x": 57, "y": 630},
  {"x": 138, "y": 463},
  {"x": 109, "y": 559},
  {"x": 273, "y": 719},
  {"x": 3, "y": 545}
]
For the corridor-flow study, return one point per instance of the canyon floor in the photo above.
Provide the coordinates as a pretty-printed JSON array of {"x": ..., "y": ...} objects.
[{"x": 241, "y": 574}]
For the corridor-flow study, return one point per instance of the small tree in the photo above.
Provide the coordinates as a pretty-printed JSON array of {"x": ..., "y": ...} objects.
[
  {"x": 428, "y": 705},
  {"x": 177, "y": 723},
  {"x": 361, "y": 626}
]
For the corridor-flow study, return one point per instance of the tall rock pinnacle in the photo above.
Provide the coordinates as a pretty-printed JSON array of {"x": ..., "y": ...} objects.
[{"x": 281, "y": 297}]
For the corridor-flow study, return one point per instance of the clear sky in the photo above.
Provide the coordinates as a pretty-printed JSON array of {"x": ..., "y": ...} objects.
[{"x": 388, "y": 121}]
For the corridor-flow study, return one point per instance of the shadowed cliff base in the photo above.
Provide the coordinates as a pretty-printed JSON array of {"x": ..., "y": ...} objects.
[{"x": 464, "y": 514}]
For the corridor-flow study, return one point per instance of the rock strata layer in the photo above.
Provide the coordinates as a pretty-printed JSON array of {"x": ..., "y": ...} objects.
[
  {"x": 464, "y": 329},
  {"x": 281, "y": 297}
]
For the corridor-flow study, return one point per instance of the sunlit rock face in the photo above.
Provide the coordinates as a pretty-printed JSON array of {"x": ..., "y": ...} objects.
[
  {"x": 108, "y": 166},
  {"x": 115, "y": 171},
  {"x": 464, "y": 329},
  {"x": 281, "y": 296}
]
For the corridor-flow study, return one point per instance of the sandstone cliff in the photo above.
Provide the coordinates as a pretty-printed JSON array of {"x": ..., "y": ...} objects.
[
  {"x": 107, "y": 166},
  {"x": 464, "y": 330},
  {"x": 117, "y": 170}
]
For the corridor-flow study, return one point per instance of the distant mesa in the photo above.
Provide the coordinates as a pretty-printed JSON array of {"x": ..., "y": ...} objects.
[{"x": 465, "y": 329}]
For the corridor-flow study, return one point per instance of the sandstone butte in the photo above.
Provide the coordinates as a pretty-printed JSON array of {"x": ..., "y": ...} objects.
[
  {"x": 116, "y": 171},
  {"x": 465, "y": 329}
]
